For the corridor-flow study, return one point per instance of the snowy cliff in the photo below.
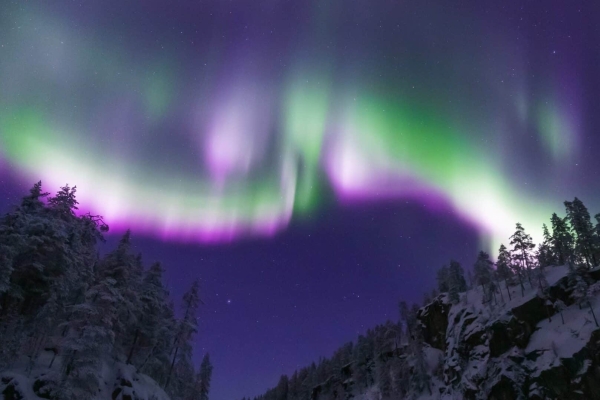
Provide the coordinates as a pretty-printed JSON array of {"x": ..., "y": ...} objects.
[{"x": 523, "y": 347}]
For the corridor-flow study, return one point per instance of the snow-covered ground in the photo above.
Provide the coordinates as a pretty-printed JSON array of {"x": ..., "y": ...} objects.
[{"x": 118, "y": 381}]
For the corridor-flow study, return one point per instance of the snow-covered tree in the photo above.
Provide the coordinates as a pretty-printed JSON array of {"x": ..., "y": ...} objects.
[
  {"x": 153, "y": 306},
  {"x": 582, "y": 292},
  {"x": 58, "y": 295},
  {"x": 187, "y": 327},
  {"x": 420, "y": 380}
]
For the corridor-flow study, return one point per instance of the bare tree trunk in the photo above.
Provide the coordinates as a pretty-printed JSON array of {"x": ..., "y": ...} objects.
[
  {"x": 53, "y": 358},
  {"x": 521, "y": 283},
  {"x": 150, "y": 353},
  {"x": 171, "y": 368},
  {"x": 500, "y": 290},
  {"x": 508, "y": 291},
  {"x": 526, "y": 265},
  {"x": 135, "y": 338},
  {"x": 593, "y": 314}
]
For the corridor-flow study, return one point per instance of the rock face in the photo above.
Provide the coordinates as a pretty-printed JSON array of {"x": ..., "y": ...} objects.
[
  {"x": 434, "y": 320},
  {"x": 516, "y": 350}
]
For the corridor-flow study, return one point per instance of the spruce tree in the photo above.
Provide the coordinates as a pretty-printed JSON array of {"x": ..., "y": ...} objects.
[
  {"x": 583, "y": 230},
  {"x": 456, "y": 281},
  {"x": 205, "y": 375},
  {"x": 484, "y": 274},
  {"x": 442, "y": 279},
  {"x": 187, "y": 327},
  {"x": 153, "y": 304},
  {"x": 582, "y": 292},
  {"x": 545, "y": 254},
  {"x": 420, "y": 378},
  {"x": 125, "y": 269},
  {"x": 503, "y": 268},
  {"x": 562, "y": 240},
  {"x": 522, "y": 249}
]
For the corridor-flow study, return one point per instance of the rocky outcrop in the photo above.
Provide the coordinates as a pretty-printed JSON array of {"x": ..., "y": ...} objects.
[
  {"x": 434, "y": 320},
  {"x": 521, "y": 351}
]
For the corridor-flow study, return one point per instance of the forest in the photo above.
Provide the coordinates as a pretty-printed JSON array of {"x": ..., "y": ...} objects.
[
  {"x": 403, "y": 360},
  {"x": 68, "y": 314}
]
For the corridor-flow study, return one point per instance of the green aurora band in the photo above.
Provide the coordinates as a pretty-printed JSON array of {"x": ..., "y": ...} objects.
[{"x": 246, "y": 155}]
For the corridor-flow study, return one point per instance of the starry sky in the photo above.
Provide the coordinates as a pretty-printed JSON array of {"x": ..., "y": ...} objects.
[{"x": 312, "y": 162}]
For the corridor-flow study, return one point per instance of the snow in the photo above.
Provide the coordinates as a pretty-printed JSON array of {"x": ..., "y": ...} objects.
[
  {"x": 113, "y": 375},
  {"x": 556, "y": 341}
]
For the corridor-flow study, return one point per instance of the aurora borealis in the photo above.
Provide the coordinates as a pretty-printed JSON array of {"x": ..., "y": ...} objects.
[
  {"x": 260, "y": 142},
  {"x": 214, "y": 122}
]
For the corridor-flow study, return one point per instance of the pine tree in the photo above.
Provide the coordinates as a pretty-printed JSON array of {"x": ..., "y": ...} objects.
[
  {"x": 205, "y": 375},
  {"x": 420, "y": 378},
  {"x": 281, "y": 390},
  {"x": 362, "y": 353},
  {"x": 503, "y": 268},
  {"x": 188, "y": 326},
  {"x": 56, "y": 294},
  {"x": 124, "y": 267},
  {"x": 153, "y": 304},
  {"x": 544, "y": 254},
  {"x": 522, "y": 249},
  {"x": 383, "y": 377},
  {"x": 582, "y": 227},
  {"x": 455, "y": 281},
  {"x": 484, "y": 274},
  {"x": 442, "y": 279},
  {"x": 562, "y": 240}
]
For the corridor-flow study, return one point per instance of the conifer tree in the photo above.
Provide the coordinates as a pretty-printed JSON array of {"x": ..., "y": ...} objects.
[
  {"x": 562, "y": 240},
  {"x": 484, "y": 274},
  {"x": 581, "y": 293},
  {"x": 362, "y": 353},
  {"x": 125, "y": 269},
  {"x": 456, "y": 281},
  {"x": 442, "y": 279},
  {"x": 544, "y": 254},
  {"x": 522, "y": 249},
  {"x": 57, "y": 295},
  {"x": 205, "y": 375},
  {"x": 153, "y": 304},
  {"x": 420, "y": 378},
  {"x": 583, "y": 230},
  {"x": 383, "y": 377},
  {"x": 503, "y": 268},
  {"x": 188, "y": 326}
]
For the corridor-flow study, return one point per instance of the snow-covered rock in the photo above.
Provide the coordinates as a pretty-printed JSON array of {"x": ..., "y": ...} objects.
[
  {"x": 516, "y": 348},
  {"x": 118, "y": 382}
]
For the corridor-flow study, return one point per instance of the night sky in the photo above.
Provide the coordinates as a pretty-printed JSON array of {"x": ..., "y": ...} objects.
[{"x": 312, "y": 162}]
